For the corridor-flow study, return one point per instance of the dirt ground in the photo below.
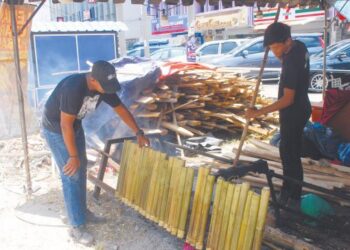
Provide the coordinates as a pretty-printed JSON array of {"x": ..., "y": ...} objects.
[{"x": 36, "y": 223}]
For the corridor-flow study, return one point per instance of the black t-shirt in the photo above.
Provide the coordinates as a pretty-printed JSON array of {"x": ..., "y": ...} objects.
[
  {"x": 72, "y": 96},
  {"x": 295, "y": 75}
]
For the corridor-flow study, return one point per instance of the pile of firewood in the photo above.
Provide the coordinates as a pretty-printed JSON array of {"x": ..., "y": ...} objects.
[{"x": 194, "y": 102}]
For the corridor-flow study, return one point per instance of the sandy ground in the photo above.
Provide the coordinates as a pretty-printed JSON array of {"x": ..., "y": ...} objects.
[{"x": 36, "y": 223}]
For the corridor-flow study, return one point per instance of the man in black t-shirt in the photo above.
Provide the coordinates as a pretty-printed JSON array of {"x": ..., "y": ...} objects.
[
  {"x": 73, "y": 98},
  {"x": 293, "y": 105}
]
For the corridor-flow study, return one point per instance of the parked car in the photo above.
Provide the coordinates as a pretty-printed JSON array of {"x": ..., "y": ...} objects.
[
  {"x": 209, "y": 50},
  {"x": 140, "y": 52},
  {"x": 251, "y": 53},
  {"x": 170, "y": 54},
  {"x": 152, "y": 43},
  {"x": 338, "y": 60}
]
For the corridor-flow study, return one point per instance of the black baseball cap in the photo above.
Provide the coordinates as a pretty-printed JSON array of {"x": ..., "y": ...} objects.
[{"x": 104, "y": 72}]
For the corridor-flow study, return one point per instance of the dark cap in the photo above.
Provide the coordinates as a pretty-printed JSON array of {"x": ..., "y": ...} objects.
[
  {"x": 276, "y": 33},
  {"x": 104, "y": 72}
]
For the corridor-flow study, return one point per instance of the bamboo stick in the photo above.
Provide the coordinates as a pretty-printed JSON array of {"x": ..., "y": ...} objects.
[
  {"x": 185, "y": 202},
  {"x": 163, "y": 170},
  {"x": 214, "y": 213},
  {"x": 170, "y": 193},
  {"x": 173, "y": 192},
  {"x": 197, "y": 218},
  {"x": 251, "y": 226},
  {"x": 205, "y": 211},
  {"x": 239, "y": 215},
  {"x": 178, "y": 200},
  {"x": 220, "y": 213},
  {"x": 244, "y": 224},
  {"x": 177, "y": 129},
  {"x": 156, "y": 190},
  {"x": 233, "y": 211},
  {"x": 196, "y": 203},
  {"x": 260, "y": 224},
  {"x": 123, "y": 167},
  {"x": 226, "y": 214},
  {"x": 164, "y": 205},
  {"x": 150, "y": 195}
]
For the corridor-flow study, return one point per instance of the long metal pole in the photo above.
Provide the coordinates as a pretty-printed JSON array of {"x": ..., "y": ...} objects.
[
  {"x": 324, "y": 73},
  {"x": 20, "y": 97},
  {"x": 252, "y": 104}
]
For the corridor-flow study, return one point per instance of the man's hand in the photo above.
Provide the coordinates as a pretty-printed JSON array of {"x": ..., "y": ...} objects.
[
  {"x": 143, "y": 141},
  {"x": 252, "y": 113},
  {"x": 72, "y": 166}
]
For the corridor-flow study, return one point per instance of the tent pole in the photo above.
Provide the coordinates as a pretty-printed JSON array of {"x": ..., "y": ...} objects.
[
  {"x": 20, "y": 97},
  {"x": 31, "y": 17},
  {"x": 252, "y": 104},
  {"x": 324, "y": 85}
]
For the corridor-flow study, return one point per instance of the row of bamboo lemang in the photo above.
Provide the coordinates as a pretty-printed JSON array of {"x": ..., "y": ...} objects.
[{"x": 160, "y": 188}]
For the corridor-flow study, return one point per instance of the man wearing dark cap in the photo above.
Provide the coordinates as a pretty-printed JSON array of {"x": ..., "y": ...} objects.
[
  {"x": 293, "y": 105},
  {"x": 73, "y": 98}
]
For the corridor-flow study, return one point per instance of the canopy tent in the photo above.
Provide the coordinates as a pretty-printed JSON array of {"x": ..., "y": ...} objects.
[{"x": 225, "y": 3}]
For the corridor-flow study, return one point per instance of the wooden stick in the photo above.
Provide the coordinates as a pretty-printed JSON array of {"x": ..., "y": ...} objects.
[
  {"x": 187, "y": 103},
  {"x": 164, "y": 206},
  {"x": 177, "y": 129},
  {"x": 252, "y": 104}
]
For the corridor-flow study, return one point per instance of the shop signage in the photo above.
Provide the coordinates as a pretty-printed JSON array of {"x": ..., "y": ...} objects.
[
  {"x": 173, "y": 24},
  {"x": 237, "y": 17}
]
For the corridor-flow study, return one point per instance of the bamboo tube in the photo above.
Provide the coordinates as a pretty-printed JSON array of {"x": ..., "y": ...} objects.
[
  {"x": 214, "y": 214},
  {"x": 130, "y": 173},
  {"x": 196, "y": 201},
  {"x": 205, "y": 211},
  {"x": 163, "y": 170},
  {"x": 135, "y": 176},
  {"x": 170, "y": 192},
  {"x": 124, "y": 184},
  {"x": 198, "y": 213},
  {"x": 174, "y": 189},
  {"x": 226, "y": 214},
  {"x": 148, "y": 159},
  {"x": 121, "y": 174},
  {"x": 178, "y": 200},
  {"x": 144, "y": 156},
  {"x": 244, "y": 224},
  {"x": 175, "y": 201},
  {"x": 251, "y": 226},
  {"x": 163, "y": 210},
  {"x": 185, "y": 202},
  {"x": 216, "y": 233},
  {"x": 233, "y": 210},
  {"x": 239, "y": 215},
  {"x": 260, "y": 224},
  {"x": 150, "y": 195},
  {"x": 156, "y": 191}
]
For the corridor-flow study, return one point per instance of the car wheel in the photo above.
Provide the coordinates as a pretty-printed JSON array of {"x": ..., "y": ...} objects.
[{"x": 316, "y": 82}]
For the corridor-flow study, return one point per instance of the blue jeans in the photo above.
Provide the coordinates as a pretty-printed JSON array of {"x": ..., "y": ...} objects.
[{"x": 74, "y": 187}]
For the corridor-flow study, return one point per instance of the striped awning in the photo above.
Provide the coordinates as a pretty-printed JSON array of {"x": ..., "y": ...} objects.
[{"x": 260, "y": 3}]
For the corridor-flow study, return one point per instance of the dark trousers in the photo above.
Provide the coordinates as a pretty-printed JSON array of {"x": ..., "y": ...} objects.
[{"x": 290, "y": 152}]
